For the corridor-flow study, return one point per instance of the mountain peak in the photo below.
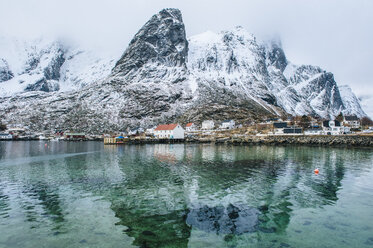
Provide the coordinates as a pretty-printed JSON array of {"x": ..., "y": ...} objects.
[
  {"x": 171, "y": 13},
  {"x": 160, "y": 41}
]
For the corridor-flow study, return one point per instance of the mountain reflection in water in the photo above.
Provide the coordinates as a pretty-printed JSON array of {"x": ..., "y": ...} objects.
[{"x": 169, "y": 195}]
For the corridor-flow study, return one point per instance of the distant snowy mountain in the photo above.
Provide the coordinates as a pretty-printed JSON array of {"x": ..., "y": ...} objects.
[
  {"x": 161, "y": 77},
  {"x": 350, "y": 102},
  {"x": 47, "y": 65}
]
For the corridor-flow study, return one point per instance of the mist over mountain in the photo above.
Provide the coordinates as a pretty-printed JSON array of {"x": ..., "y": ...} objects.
[{"x": 162, "y": 76}]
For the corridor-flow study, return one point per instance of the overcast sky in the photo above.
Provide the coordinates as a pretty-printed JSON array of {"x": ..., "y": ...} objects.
[{"x": 334, "y": 34}]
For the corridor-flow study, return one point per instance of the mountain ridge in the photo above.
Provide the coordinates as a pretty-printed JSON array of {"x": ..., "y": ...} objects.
[{"x": 162, "y": 77}]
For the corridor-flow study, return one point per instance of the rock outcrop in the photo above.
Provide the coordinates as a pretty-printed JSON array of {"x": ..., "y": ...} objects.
[{"x": 5, "y": 73}]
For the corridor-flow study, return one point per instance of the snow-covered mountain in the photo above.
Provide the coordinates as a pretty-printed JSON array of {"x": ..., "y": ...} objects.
[
  {"x": 236, "y": 61},
  {"x": 48, "y": 65},
  {"x": 162, "y": 76}
]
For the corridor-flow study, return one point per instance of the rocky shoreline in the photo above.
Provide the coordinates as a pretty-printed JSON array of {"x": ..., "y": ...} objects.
[
  {"x": 349, "y": 141},
  {"x": 322, "y": 140}
]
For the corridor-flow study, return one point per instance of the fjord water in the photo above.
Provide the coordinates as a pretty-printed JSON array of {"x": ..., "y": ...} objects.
[{"x": 85, "y": 194}]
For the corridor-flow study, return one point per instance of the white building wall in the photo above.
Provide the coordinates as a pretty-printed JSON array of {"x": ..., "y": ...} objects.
[
  {"x": 191, "y": 128},
  {"x": 228, "y": 125},
  {"x": 208, "y": 125},
  {"x": 178, "y": 132}
]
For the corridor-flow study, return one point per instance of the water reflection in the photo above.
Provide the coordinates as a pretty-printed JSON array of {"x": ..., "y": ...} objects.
[
  {"x": 49, "y": 199},
  {"x": 164, "y": 195}
]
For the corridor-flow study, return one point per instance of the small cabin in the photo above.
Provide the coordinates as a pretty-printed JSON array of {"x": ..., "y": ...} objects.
[
  {"x": 190, "y": 127},
  {"x": 228, "y": 124}
]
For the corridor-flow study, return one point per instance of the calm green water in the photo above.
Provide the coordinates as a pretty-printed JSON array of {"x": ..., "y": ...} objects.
[{"x": 87, "y": 195}]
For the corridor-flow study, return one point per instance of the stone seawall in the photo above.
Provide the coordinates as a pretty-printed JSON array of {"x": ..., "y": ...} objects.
[
  {"x": 345, "y": 140},
  {"x": 360, "y": 141}
]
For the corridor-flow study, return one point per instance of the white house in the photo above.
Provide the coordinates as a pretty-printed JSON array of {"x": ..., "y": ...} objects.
[
  {"x": 190, "y": 127},
  {"x": 6, "y": 136},
  {"x": 208, "y": 125},
  {"x": 314, "y": 131},
  {"x": 170, "y": 131},
  {"x": 334, "y": 128},
  {"x": 135, "y": 132},
  {"x": 229, "y": 124},
  {"x": 352, "y": 121},
  {"x": 150, "y": 131}
]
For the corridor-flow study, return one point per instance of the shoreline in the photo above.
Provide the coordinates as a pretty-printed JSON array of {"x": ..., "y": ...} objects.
[
  {"x": 310, "y": 140},
  {"x": 322, "y": 140}
]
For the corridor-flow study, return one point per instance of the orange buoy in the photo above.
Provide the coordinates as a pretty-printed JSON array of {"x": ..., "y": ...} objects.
[{"x": 316, "y": 171}]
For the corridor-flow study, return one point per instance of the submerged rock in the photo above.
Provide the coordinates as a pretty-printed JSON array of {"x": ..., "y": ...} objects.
[{"x": 224, "y": 220}]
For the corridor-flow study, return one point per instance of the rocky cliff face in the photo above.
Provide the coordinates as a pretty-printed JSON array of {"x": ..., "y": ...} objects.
[
  {"x": 350, "y": 102},
  {"x": 162, "y": 77},
  {"x": 161, "y": 41},
  {"x": 235, "y": 61}
]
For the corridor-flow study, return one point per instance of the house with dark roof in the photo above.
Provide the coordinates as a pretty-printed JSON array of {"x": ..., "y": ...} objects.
[
  {"x": 169, "y": 131},
  {"x": 334, "y": 128},
  {"x": 351, "y": 121},
  {"x": 278, "y": 127},
  {"x": 293, "y": 130}
]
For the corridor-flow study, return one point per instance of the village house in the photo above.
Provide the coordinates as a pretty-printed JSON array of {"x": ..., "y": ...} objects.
[
  {"x": 278, "y": 127},
  {"x": 334, "y": 128},
  {"x": 6, "y": 136},
  {"x": 228, "y": 124},
  {"x": 17, "y": 131},
  {"x": 190, "y": 127},
  {"x": 272, "y": 120},
  {"x": 314, "y": 131},
  {"x": 293, "y": 130},
  {"x": 208, "y": 125},
  {"x": 170, "y": 131},
  {"x": 75, "y": 136},
  {"x": 351, "y": 121},
  {"x": 150, "y": 131}
]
